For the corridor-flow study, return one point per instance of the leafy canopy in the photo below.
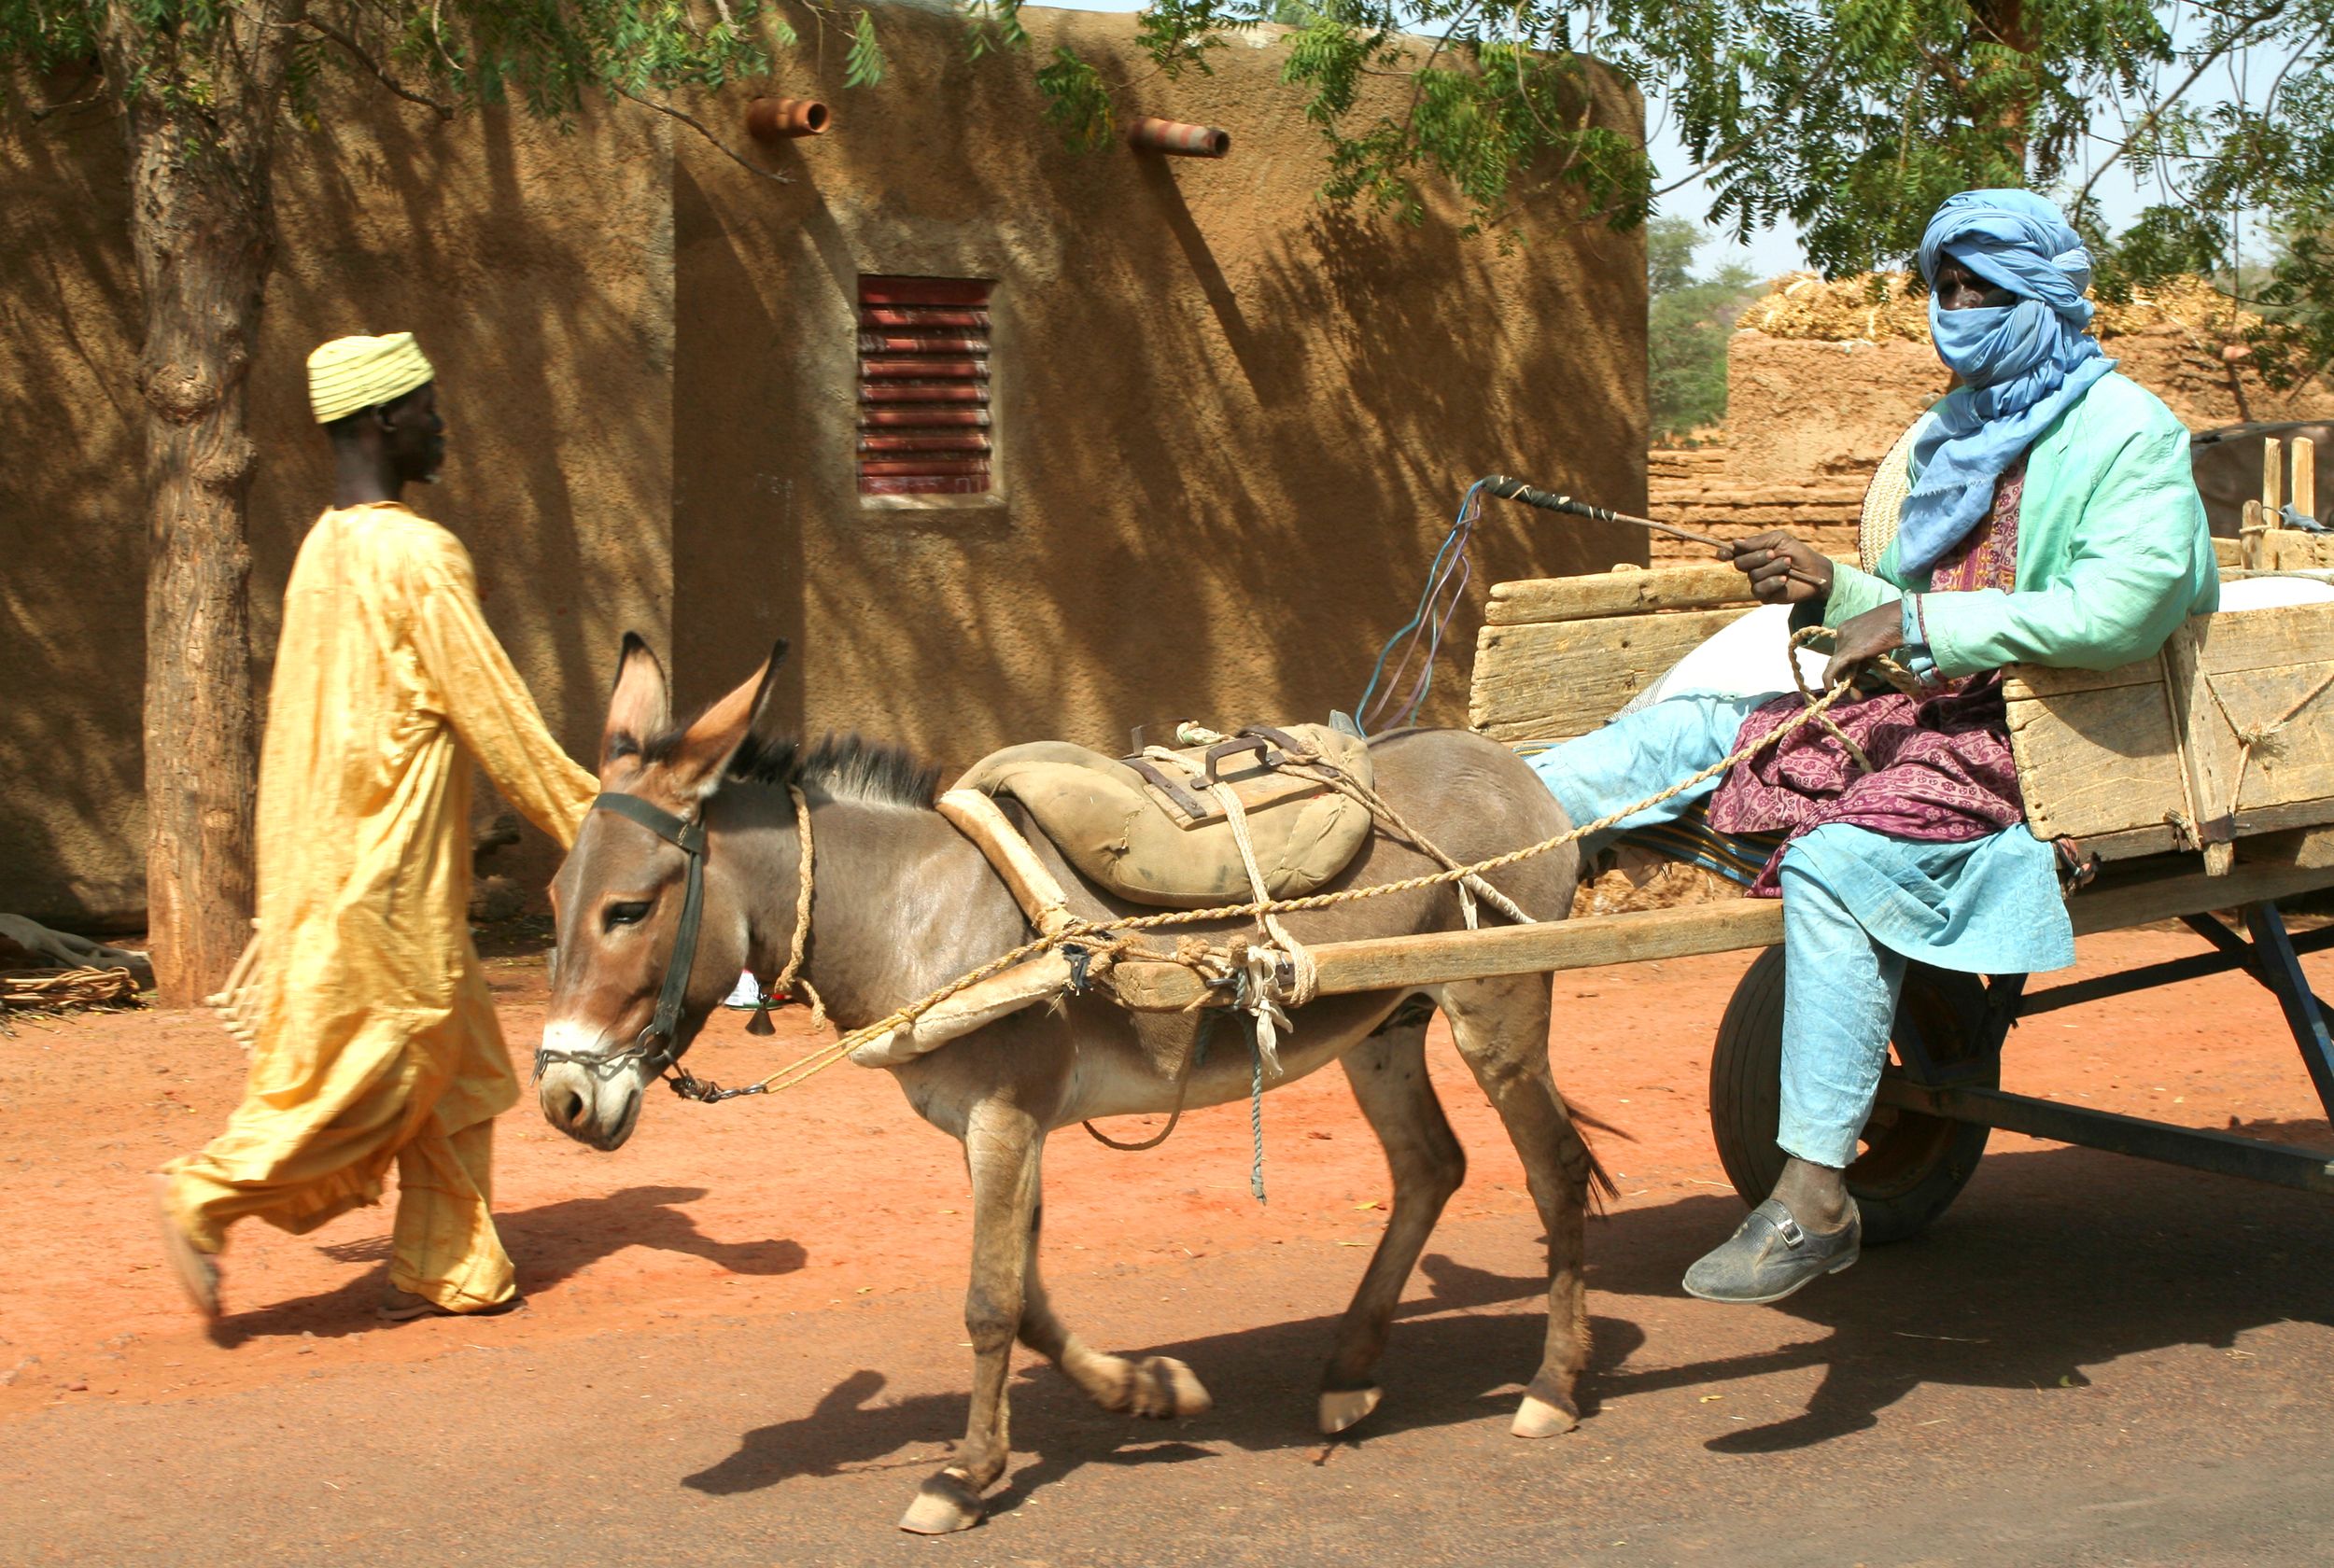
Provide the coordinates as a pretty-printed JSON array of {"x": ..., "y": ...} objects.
[
  {"x": 1848, "y": 120},
  {"x": 220, "y": 70}
]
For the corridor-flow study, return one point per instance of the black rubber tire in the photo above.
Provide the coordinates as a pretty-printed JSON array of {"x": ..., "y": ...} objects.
[{"x": 1912, "y": 1166}]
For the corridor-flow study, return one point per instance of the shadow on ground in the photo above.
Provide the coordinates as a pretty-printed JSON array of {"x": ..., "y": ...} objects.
[
  {"x": 551, "y": 1243},
  {"x": 2054, "y": 1261}
]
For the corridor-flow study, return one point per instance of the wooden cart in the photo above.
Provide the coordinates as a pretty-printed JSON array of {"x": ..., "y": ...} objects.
[
  {"x": 2201, "y": 779},
  {"x": 2175, "y": 772}
]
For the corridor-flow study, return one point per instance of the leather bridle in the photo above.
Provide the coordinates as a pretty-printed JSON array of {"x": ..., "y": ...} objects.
[{"x": 656, "y": 1047}]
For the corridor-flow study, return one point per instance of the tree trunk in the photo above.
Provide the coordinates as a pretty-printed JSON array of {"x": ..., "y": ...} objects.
[
  {"x": 200, "y": 227},
  {"x": 2005, "y": 22}
]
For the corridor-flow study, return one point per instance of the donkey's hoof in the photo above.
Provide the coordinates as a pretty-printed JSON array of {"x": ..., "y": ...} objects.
[
  {"x": 1342, "y": 1407},
  {"x": 1165, "y": 1387},
  {"x": 943, "y": 1503},
  {"x": 1538, "y": 1418}
]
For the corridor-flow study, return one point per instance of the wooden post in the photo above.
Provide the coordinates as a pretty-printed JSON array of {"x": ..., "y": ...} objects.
[
  {"x": 2257, "y": 548},
  {"x": 2305, "y": 484},
  {"x": 2208, "y": 749}
]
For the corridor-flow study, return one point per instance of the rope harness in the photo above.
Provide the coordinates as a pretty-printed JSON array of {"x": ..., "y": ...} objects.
[{"x": 1259, "y": 977}]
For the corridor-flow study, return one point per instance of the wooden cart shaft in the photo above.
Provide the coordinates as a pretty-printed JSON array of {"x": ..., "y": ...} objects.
[{"x": 2269, "y": 869}]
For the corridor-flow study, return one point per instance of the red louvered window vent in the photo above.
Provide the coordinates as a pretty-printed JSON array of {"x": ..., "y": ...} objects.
[{"x": 923, "y": 386}]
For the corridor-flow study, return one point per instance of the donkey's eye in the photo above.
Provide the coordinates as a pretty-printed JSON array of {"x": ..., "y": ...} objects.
[{"x": 629, "y": 914}]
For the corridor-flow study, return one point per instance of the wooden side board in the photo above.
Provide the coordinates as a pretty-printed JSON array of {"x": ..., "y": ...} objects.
[
  {"x": 2230, "y": 732},
  {"x": 2296, "y": 550},
  {"x": 1551, "y": 680},
  {"x": 1700, "y": 585},
  {"x": 2099, "y": 758},
  {"x": 2227, "y": 733}
]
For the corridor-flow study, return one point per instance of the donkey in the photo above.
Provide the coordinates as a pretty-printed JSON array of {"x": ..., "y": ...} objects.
[{"x": 902, "y": 902}]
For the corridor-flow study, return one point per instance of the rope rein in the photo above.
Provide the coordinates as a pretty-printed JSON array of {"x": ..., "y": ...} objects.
[
  {"x": 792, "y": 980},
  {"x": 1110, "y": 936}
]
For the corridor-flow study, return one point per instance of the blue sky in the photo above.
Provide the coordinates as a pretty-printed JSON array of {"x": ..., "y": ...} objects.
[{"x": 1776, "y": 250}]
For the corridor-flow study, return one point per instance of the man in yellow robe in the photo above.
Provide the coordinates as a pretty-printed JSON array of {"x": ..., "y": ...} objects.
[{"x": 372, "y": 1034}]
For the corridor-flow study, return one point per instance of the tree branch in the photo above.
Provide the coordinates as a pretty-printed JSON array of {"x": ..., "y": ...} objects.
[
  {"x": 710, "y": 140},
  {"x": 1790, "y": 103},
  {"x": 74, "y": 96},
  {"x": 374, "y": 69},
  {"x": 2156, "y": 112}
]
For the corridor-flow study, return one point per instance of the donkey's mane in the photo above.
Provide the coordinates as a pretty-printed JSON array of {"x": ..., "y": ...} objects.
[{"x": 842, "y": 768}]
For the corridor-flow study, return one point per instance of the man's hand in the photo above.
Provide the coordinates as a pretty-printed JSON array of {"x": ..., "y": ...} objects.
[
  {"x": 1864, "y": 639},
  {"x": 1782, "y": 569}
]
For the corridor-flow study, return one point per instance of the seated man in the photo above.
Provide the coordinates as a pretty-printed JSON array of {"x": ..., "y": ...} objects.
[{"x": 2051, "y": 519}]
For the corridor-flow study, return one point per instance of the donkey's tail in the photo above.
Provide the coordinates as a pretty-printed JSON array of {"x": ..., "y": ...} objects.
[{"x": 1580, "y": 1163}]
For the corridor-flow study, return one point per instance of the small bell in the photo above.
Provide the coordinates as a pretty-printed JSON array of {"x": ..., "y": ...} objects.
[{"x": 760, "y": 1023}]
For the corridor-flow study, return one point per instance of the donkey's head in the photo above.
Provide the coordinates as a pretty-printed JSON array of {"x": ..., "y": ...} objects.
[{"x": 637, "y": 970}]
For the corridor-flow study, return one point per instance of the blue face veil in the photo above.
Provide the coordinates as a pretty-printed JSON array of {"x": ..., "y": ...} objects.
[{"x": 2021, "y": 366}]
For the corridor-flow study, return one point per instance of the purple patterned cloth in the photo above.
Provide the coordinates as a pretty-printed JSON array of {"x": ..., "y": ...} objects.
[{"x": 1942, "y": 771}]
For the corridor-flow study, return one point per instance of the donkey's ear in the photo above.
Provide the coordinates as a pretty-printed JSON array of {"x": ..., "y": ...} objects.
[
  {"x": 745, "y": 717},
  {"x": 641, "y": 706}
]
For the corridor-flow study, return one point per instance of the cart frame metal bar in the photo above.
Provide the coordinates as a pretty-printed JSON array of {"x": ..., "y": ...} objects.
[
  {"x": 2270, "y": 957},
  {"x": 2170, "y": 972},
  {"x": 2224, "y": 1154}
]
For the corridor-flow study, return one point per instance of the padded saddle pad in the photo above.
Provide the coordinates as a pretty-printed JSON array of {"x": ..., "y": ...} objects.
[{"x": 1145, "y": 828}]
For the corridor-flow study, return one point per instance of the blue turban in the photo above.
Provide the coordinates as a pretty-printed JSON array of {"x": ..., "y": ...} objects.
[{"x": 2021, "y": 365}]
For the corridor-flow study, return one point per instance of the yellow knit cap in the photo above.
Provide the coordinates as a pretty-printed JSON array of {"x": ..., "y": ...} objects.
[{"x": 348, "y": 374}]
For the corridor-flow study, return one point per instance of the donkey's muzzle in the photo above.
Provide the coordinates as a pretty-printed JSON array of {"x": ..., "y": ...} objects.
[{"x": 594, "y": 1108}]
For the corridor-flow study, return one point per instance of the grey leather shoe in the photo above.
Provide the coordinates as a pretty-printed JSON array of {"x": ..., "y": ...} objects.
[{"x": 1771, "y": 1256}]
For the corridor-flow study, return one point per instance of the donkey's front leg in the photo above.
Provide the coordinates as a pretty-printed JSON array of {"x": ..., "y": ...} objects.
[
  {"x": 1001, "y": 1151},
  {"x": 1157, "y": 1386}
]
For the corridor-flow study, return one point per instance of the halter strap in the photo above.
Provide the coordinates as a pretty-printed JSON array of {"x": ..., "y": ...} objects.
[
  {"x": 689, "y": 836},
  {"x": 656, "y": 1043},
  {"x": 654, "y": 1047}
]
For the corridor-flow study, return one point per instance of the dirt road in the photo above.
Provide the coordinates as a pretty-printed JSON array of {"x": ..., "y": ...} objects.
[{"x": 742, "y": 1341}]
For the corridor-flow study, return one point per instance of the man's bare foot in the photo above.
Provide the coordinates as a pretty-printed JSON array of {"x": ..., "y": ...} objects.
[
  {"x": 404, "y": 1306},
  {"x": 197, "y": 1271}
]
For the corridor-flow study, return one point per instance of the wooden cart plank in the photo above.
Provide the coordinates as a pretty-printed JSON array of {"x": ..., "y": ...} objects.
[
  {"x": 2295, "y": 863},
  {"x": 2098, "y": 763},
  {"x": 1555, "y": 681},
  {"x": 1381, "y": 963},
  {"x": 1531, "y": 600},
  {"x": 2031, "y": 683}
]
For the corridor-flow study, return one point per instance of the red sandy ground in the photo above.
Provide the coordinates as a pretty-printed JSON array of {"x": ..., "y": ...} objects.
[{"x": 830, "y": 1221}]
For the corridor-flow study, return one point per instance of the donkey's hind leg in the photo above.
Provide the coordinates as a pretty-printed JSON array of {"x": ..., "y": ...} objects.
[
  {"x": 1002, "y": 1143},
  {"x": 1388, "y": 1072},
  {"x": 1500, "y": 1026},
  {"x": 1155, "y": 1386}
]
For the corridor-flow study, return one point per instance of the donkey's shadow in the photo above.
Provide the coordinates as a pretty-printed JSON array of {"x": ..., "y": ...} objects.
[
  {"x": 849, "y": 1430},
  {"x": 2054, "y": 1261}
]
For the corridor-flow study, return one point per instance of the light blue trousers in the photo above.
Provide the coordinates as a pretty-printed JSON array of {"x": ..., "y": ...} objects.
[{"x": 1839, "y": 985}]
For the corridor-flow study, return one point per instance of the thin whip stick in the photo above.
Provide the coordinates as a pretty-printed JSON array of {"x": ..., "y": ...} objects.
[{"x": 1516, "y": 490}]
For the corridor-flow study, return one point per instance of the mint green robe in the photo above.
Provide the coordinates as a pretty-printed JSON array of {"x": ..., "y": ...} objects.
[{"x": 2113, "y": 552}]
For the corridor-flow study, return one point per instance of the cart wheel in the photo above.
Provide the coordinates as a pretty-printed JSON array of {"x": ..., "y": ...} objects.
[{"x": 1912, "y": 1166}]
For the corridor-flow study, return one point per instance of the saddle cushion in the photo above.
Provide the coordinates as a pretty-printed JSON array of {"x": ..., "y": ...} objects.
[{"x": 1174, "y": 845}]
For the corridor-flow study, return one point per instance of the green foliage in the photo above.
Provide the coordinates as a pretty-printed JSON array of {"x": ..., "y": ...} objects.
[
  {"x": 1076, "y": 100},
  {"x": 863, "y": 66},
  {"x": 1851, "y": 121},
  {"x": 1690, "y": 320},
  {"x": 993, "y": 26},
  {"x": 214, "y": 60}
]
